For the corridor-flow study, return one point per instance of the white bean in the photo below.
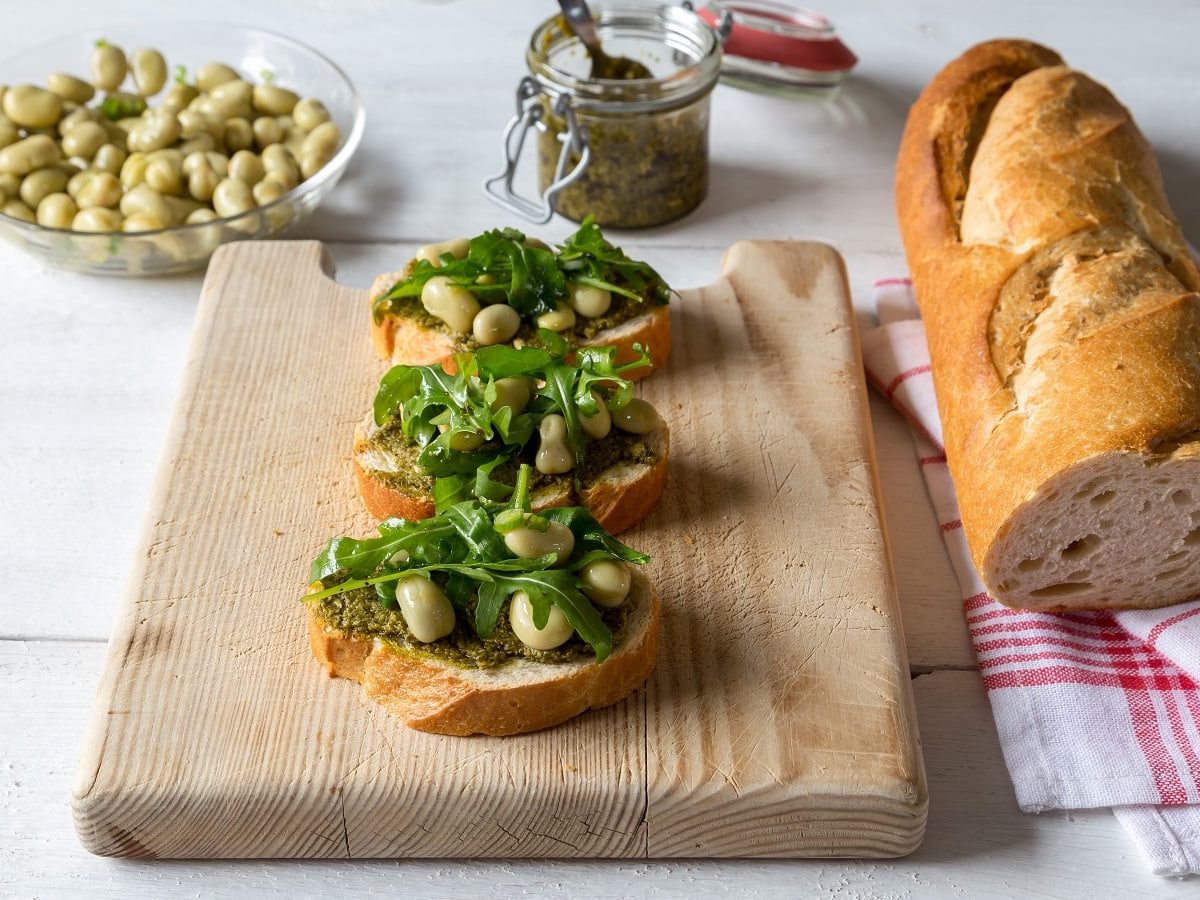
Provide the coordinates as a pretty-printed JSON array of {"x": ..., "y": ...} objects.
[
  {"x": 96, "y": 219},
  {"x": 309, "y": 113},
  {"x": 433, "y": 253},
  {"x": 451, "y": 303},
  {"x": 272, "y": 100},
  {"x": 606, "y": 582},
  {"x": 84, "y": 140},
  {"x": 636, "y": 417},
  {"x": 108, "y": 66},
  {"x": 425, "y": 608},
  {"x": 520, "y": 615},
  {"x": 15, "y": 209},
  {"x": 554, "y": 457},
  {"x": 24, "y": 156},
  {"x": 512, "y": 392},
  {"x": 70, "y": 88},
  {"x": 211, "y": 75},
  {"x": 109, "y": 158},
  {"x": 246, "y": 166},
  {"x": 587, "y": 300},
  {"x": 149, "y": 71},
  {"x": 561, "y": 319},
  {"x": 495, "y": 324},
  {"x": 599, "y": 425},
  {"x": 103, "y": 189},
  {"x": 529, "y": 543},
  {"x": 56, "y": 211},
  {"x": 232, "y": 197},
  {"x": 42, "y": 183}
]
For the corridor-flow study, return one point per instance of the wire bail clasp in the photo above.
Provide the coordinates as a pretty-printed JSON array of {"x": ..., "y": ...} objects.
[{"x": 530, "y": 113}]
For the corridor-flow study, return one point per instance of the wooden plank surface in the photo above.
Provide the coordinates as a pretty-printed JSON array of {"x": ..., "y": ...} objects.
[
  {"x": 978, "y": 845},
  {"x": 779, "y": 721}
]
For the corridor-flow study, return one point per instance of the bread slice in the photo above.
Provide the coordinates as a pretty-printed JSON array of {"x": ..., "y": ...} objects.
[
  {"x": 403, "y": 341},
  {"x": 516, "y": 697},
  {"x": 619, "y": 497}
]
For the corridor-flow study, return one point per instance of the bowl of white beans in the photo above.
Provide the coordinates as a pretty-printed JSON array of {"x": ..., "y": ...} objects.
[{"x": 140, "y": 149}]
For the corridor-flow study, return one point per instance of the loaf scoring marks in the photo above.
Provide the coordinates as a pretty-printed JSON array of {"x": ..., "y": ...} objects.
[{"x": 1069, "y": 290}]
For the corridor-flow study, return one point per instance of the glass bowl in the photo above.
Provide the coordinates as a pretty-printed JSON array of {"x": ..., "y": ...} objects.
[{"x": 252, "y": 52}]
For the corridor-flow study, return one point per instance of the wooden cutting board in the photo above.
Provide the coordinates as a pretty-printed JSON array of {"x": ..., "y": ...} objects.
[{"x": 779, "y": 721}]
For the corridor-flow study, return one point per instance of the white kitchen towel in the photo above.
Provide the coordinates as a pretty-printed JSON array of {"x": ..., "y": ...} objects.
[{"x": 1092, "y": 709}]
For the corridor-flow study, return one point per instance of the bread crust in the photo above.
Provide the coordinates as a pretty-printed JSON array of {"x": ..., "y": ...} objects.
[
  {"x": 619, "y": 497},
  {"x": 1061, "y": 311},
  {"x": 401, "y": 340},
  {"x": 437, "y": 697}
]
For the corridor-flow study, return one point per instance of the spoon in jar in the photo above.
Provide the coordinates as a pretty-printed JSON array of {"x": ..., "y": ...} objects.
[{"x": 583, "y": 26}]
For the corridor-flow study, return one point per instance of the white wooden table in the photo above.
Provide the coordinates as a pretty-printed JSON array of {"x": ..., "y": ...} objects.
[{"x": 89, "y": 369}]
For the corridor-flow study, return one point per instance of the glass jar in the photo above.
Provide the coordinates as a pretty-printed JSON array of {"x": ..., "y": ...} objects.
[{"x": 631, "y": 153}]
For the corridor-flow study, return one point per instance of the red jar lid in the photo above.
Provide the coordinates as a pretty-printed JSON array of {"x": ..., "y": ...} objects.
[{"x": 772, "y": 45}]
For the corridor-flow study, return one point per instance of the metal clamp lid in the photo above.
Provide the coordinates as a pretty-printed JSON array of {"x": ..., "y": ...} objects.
[
  {"x": 784, "y": 33},
  {"x": 530, "y": 113}
]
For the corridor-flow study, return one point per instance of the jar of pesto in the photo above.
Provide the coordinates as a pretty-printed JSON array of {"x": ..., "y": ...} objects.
[{"x": 631, "y": 152}]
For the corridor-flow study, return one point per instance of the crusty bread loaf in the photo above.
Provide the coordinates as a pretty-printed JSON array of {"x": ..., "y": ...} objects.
[
  {"x": 619, "y": 497},
  {"x": 401, "y": 340},
  {"x": 514, "y": 698},
  {"x": 1061, "y": 307}
]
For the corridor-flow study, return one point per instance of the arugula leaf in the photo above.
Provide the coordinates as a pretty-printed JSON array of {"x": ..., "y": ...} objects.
[
  {"x": 560, "y": 387},
  {"x": 451, "y": 489},
  {"x": 434, "y": 409},
  {"x": 558, "y": 587},
  {"x": 592, "y": 260},
  {"x": 474, "y": 525},
  {"x": 590, "y": 535},
  {"x": 501, "y": 361},
  {"x": 598, "y": 368},
  {"x": 487, "y": 609},
  {"x": 459, "y": 588},
  {"x": 502, "y": 264},
  {"x": 463, "y": 548}
]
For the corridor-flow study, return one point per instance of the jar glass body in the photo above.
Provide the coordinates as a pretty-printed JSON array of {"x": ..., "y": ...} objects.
[{"x": 646, "y": 140}]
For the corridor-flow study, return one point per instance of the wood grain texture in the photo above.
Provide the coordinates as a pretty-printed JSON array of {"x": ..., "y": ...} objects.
[{"x": 780, "y": 720}]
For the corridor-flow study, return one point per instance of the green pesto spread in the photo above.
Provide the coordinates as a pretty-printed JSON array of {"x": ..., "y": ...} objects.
[
  {"x": 361, "y": 613},
  {"x": 618, "y": 446}
]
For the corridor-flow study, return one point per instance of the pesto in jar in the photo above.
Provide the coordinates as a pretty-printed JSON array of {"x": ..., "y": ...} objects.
[
  {"x": 646, "y": 137},
  {"x": 645, "y": 169}
]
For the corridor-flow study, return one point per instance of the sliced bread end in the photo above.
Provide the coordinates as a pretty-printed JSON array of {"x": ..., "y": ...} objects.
[{"x": 1119, "y": 531}]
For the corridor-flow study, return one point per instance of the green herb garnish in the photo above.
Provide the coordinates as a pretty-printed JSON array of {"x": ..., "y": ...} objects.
[
  {"x": 502, "y": 265},
  {"x": 122, "y": 106},
  {"x": 437, "y": 410},
  {"x": 463, "y": 546}
]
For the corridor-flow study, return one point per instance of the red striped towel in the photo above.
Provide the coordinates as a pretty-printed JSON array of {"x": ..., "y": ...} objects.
[{"x": 1092, "y": 709}]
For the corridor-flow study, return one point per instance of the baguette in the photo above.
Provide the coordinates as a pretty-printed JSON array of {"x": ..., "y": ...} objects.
[
  {"x": 402, "y": 340},
  {"x": 619, "y": 496},
  {"x": 520, "y": 696},
  {"x": 1061, "y": 307}
]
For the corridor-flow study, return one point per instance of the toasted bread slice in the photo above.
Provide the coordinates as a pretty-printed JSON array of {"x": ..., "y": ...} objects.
[
  {"x": 519, "y": 696},
  {"x": 619, "y": 496},
  {"x": 404, "y": 341}
]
